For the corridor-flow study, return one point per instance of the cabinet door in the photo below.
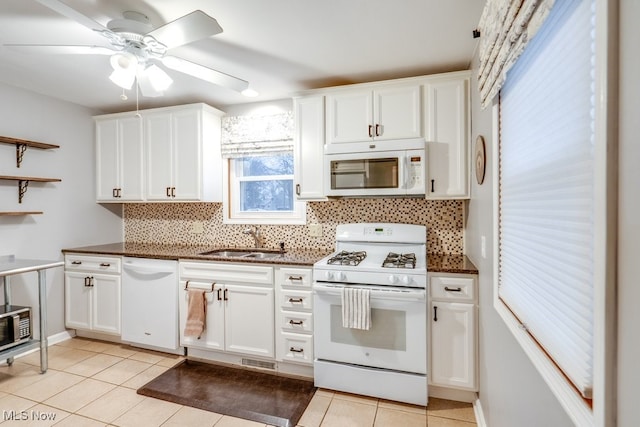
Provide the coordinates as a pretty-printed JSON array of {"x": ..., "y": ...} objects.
[
  {"x": 349, "y": 116},
  {"x": 309, "y": 148},
  {"x": 213, "y": 336},
  {"x": 105, "y": 298},
  {"x": 187, "y": 154},
  {"x": 397, "y": 113},
  {"x": 107, "y": 160},
  {"x": 131, "y": 159},
  {"x": 157, "y": 136},
  {"x": 249, "y": 320},
  {"x": 77, "y": 300},
  {"x": 447, "y": 136},
  {"x": 453, "y": 345}
]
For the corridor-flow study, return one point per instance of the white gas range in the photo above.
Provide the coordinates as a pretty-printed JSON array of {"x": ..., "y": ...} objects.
[{"x": 385, "y": 264}]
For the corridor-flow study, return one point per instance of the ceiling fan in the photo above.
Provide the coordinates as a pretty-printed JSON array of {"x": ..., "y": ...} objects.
[{"x": 136, "y": 48}]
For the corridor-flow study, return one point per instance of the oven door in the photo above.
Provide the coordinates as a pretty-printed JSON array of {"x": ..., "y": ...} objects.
[{"x": 396, "y": 340}]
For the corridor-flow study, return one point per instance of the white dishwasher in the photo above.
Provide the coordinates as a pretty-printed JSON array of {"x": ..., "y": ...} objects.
[{"x": 150, "y": 303}]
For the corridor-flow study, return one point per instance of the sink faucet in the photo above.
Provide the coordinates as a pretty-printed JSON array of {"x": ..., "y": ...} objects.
[{"x": 255, "y": 233}]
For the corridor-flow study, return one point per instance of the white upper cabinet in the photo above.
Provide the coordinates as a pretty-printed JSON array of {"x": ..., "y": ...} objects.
[
  {"x": 308, "y": 147},
  {"x": 119, "y": 159},
  {"x": 447, "y": 132},
  {"x": 374, "y": 113},
  {"x": 183, "y": 154},
  {"x": 167, "y": 154}
]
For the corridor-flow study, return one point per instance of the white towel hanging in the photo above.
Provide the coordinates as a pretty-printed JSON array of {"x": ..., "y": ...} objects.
[{"x": 356, "y": 308}]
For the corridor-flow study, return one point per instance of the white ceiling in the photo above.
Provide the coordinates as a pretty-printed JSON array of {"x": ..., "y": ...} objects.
[{"x": 279, "y": 46}]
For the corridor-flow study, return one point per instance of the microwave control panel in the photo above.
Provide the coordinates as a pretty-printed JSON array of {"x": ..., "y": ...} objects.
[{"x": 416, "y": 171}]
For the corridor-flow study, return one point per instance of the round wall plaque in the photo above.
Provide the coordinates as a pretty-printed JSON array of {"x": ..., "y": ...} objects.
[{"x": 480, "y": 159}]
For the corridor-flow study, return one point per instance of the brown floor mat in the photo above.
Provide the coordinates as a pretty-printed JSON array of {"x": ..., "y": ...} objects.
[{"x": 242, "y": 393}]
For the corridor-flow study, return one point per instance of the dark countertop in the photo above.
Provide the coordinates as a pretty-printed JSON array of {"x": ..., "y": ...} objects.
[
  {"x": 436, "y": 263},
  {"x": 443, "y": 263},
  {"x": 174, "y": 252}
]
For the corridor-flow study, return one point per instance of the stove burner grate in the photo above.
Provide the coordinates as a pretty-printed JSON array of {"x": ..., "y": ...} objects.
[
  {"x": 394, "y": 260},
  {"x": 347, "y": 258}
]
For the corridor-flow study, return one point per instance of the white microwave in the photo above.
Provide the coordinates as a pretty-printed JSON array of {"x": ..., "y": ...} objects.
[{"x": 376, "y": 173}]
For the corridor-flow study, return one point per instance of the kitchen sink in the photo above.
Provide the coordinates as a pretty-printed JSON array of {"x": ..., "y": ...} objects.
[{"x": 231, "y": 253}]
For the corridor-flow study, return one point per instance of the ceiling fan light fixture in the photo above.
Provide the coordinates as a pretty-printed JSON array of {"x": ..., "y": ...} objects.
[
  {"x": 159, "y": 80},
  {"x": 123, "y": 78},
  {"x": 124, "y": 61}
]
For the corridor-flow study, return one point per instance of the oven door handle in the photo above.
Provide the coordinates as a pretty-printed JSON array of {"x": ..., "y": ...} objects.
[{"x": 404, "y": 294}]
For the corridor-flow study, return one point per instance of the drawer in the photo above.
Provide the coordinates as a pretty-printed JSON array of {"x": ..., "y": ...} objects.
[
  {"x": 295, "y": 299},
  {"x": 102, "y": 264},
  {"x": 226, "y": 273},
  {"x": 453, "y": 288},
  {"x": 295, "y": 348},
  {"x": 294, "y": 277},
  {"x": 292, "y": 321}
]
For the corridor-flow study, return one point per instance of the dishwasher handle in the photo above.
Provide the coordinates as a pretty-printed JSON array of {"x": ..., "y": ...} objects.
[{"x": 146, "y": 269}]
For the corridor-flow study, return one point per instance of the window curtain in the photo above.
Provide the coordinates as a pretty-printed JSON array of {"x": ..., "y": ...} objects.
[
  {"x": 506, "y": 26},
  {"x": 257, "y": 135}
]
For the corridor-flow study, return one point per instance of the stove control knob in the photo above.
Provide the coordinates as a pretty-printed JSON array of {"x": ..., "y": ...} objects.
[
  {"x": 340, "y": 276},
  {"x": 406, "y": 280},
  {"x": 329, "y": 275},
  {"x": 393, "y": 279}
]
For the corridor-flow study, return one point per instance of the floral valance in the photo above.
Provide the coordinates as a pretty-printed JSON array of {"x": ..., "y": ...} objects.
[
  {"x": 257, "y": 135},
  {"x": 506, "y": 26}
]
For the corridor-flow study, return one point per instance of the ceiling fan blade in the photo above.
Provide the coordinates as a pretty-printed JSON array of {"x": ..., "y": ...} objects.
[
  {"x": 194, "y": 26},
  {"x": 61, "y": 49},
  {"x": 69, "y": 12},
  {"x": 205, "y": 73}
]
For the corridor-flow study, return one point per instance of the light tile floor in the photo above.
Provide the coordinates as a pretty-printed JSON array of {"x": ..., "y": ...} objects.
[{"x": 93, "y": 383}]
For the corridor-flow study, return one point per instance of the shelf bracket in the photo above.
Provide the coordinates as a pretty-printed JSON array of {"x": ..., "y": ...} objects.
[
  {"x": 22, "y": 189},
  {"x": 20, "y": 149}
]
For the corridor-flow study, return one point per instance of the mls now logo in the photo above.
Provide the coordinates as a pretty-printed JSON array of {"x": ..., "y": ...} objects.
[{"x": 28, "y": 415}]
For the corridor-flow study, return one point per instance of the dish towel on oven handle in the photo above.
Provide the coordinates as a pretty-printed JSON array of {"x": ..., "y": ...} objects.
[
  {"x": 196, "y": 313},
  {"x": 356, "y": 308}
]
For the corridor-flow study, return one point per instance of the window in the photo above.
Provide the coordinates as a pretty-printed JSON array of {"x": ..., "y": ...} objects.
[
  {"x": 261, "y": 190},
  {"x": 552, "y": 197},
  {"x": 259, "y": 170}
]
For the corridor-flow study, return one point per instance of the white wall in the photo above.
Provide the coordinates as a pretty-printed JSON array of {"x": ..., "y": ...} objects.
[
  {"x": 71, "y": 217},
  {"x": 629, "y": 216}
]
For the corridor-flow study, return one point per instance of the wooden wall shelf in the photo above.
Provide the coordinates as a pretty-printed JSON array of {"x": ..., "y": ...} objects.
[
  {"x": 23, "y": 182},
  {"x": 22, "y": 144},
  {"x": 21, "y": 213}
]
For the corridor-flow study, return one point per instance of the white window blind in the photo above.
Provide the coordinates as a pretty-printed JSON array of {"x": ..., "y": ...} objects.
[{"x": 546, "y": 189}]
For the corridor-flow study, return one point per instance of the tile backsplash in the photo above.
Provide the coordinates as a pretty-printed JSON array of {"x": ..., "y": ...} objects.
[{"x": 178, "y": 223}]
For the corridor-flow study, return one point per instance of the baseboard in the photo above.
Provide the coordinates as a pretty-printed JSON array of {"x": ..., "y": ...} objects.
[
  {"x": 477, "y": 410},
  {"x": 60, "y": 337}
]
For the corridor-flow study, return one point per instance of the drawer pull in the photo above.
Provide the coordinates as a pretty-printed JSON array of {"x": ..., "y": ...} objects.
[
  {"x": 76, "y": 262},
  {"x": 296, "y": 322},
  {"x": 296, "y": 300},
  {"x": 435, "y": 313},
  {"x": 448, "y": 289},
  {"x": 296, "y": 350},
  {"x": 298, "y": 278},
  {"x": 105, "y": 264}
]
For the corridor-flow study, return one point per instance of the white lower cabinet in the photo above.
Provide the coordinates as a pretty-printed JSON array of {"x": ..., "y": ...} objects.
[
  {"x": 92, "y": 293},
  {"x": 294, "y": 319},
  {"x": 453, "y": 331},
  {"x": 240, "y": 307}
]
